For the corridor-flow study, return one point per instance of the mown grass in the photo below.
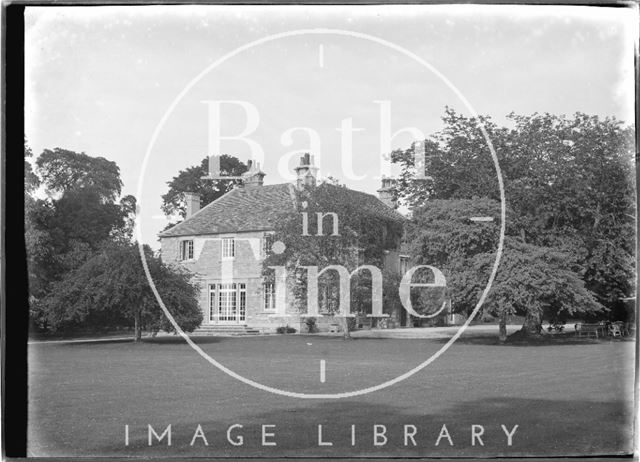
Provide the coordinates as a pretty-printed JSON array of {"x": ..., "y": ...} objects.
[{"x": 568, "y": 399}]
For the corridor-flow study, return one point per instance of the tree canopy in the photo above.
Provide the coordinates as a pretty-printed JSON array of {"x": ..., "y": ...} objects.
[
  {"x": 80, "y": 214},
  {"x": 531, "y": 280},
  {"x": 110, "y": 289},
  {"x": 192, "y": 180},
  {"x": 569, "y": 186},
  {"x": 62, "y": 170},
  {"x": 84, "y": 269}
]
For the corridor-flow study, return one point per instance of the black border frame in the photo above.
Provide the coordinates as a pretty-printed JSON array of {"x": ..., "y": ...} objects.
[{"x": 14, "y": 283}]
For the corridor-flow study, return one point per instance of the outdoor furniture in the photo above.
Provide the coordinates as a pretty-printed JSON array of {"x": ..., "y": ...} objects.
[
  {"x": 624, "y": 329},
  {"x": 588, "y": 329},
  {"x": 614, "y": 330}
]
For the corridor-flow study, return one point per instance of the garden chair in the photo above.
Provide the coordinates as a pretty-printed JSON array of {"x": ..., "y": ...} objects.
[
  {"x": 614, "y": 330},
  {"x": 624, "y": 330}
]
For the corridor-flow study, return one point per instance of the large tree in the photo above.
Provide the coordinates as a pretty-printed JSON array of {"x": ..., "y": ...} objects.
[
  {"x": 531, "y": 281},
  {"x": 569, "y": 182},
  {"x": 62, "y": 170},
  {"x": 192, "y": 179},
  {"x": 363, "y": 235},
  {"x": 78, "y": 215},
  {"x": 110, "y": 290},
  {"x": 82, "y": 206}
]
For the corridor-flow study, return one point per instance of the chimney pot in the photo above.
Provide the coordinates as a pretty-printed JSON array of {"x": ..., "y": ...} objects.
[
  {"x": 193, "y": 203},
  {"x": 306, "y": 172},
  {"x": 253, "y": 176},
  {"x": 386, "y": 192}
]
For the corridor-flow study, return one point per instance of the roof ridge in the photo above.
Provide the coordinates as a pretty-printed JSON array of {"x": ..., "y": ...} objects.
[{"x": 254, "y": 208}]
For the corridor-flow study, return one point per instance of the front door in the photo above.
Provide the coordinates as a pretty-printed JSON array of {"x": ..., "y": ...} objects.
[{"x": 227, "y": 303}]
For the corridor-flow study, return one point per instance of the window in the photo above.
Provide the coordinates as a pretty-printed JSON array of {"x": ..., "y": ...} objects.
[
  {"x": 186, "y": 250},
  {"x": 404, "y": 265},
  {"x": 269, "y": 289},
  {"x": 267, "y": 242},
  {"x": 227, "y": 302},
  {"x": 228, "y": 247}
]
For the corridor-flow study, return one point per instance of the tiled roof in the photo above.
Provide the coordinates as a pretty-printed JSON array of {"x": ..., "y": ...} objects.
[{"x": 255, "y": 208}]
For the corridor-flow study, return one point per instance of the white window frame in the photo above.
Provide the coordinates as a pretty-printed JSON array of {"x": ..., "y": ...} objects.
[
  {"x": 225, "y": 248},
  {"x": 234, "y": 297},
  {"x": 186, "y": 255},
  {"x": 269, "y": 297}
]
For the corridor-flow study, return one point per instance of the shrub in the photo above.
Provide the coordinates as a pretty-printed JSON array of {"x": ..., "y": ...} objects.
[
  {"x": 286, "y": 330},
  {"x": 311, "y": 324}
]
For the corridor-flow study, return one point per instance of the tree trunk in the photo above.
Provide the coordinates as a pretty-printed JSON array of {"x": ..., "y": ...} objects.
[
  {"x": 346, "y": 335},
  {"x": 532, "y": 323},
  {"x": 137, "y": 329},
  {"x": 503, "y": 327}
]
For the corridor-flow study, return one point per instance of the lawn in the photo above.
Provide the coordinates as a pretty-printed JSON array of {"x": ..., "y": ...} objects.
[{"x": 567, "y": 399}]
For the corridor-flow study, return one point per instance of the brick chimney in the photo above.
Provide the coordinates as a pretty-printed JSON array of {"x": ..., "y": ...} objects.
[
  {"x": 253, "y": 177},
  {"x": 386, "y": 193},
  {"x": 306, "y": 172},
  {"x": 193, "y": 203}
]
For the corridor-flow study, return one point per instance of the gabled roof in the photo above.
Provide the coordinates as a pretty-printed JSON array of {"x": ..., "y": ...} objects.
[
  {"x": 241, "y": 209},
  {"x": 256, "y": 208}
]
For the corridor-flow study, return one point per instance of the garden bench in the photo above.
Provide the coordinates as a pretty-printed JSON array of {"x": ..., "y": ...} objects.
[{"x": 588, "y": 329}]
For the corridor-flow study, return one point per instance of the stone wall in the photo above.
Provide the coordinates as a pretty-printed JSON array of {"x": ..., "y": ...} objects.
[{"x": 209, "y": 267}]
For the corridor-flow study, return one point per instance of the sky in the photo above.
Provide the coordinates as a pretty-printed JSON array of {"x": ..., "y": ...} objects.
[{"x": 153, "y": 87}]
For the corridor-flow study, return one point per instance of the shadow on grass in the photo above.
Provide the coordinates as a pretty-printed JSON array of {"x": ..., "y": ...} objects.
[
  {"x": 545, "y": 340},
  {"x": 163, "y": 340},
  {"x": 85, "y": 342},
  {"x": 176, "y": 339},
  {"x": 545, "y": 428}
]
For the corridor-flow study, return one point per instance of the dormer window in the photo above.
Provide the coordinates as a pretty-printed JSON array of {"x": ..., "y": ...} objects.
[
  {"x": 186, "y": 250},
  {"x": 228, "y": 247}
]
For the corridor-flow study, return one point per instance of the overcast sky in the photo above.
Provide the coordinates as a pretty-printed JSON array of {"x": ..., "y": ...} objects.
[{"x": 100, "y": 79}]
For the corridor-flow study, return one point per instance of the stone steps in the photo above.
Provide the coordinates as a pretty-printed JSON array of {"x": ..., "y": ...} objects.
[{"x": 214, "y": 330}]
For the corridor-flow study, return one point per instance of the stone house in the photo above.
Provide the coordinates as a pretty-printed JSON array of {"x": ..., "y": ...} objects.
[{"x": 225, "y": 242}]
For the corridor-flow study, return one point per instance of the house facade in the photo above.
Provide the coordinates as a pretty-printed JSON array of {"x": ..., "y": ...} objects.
[{"x": 225, "y": 243}]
